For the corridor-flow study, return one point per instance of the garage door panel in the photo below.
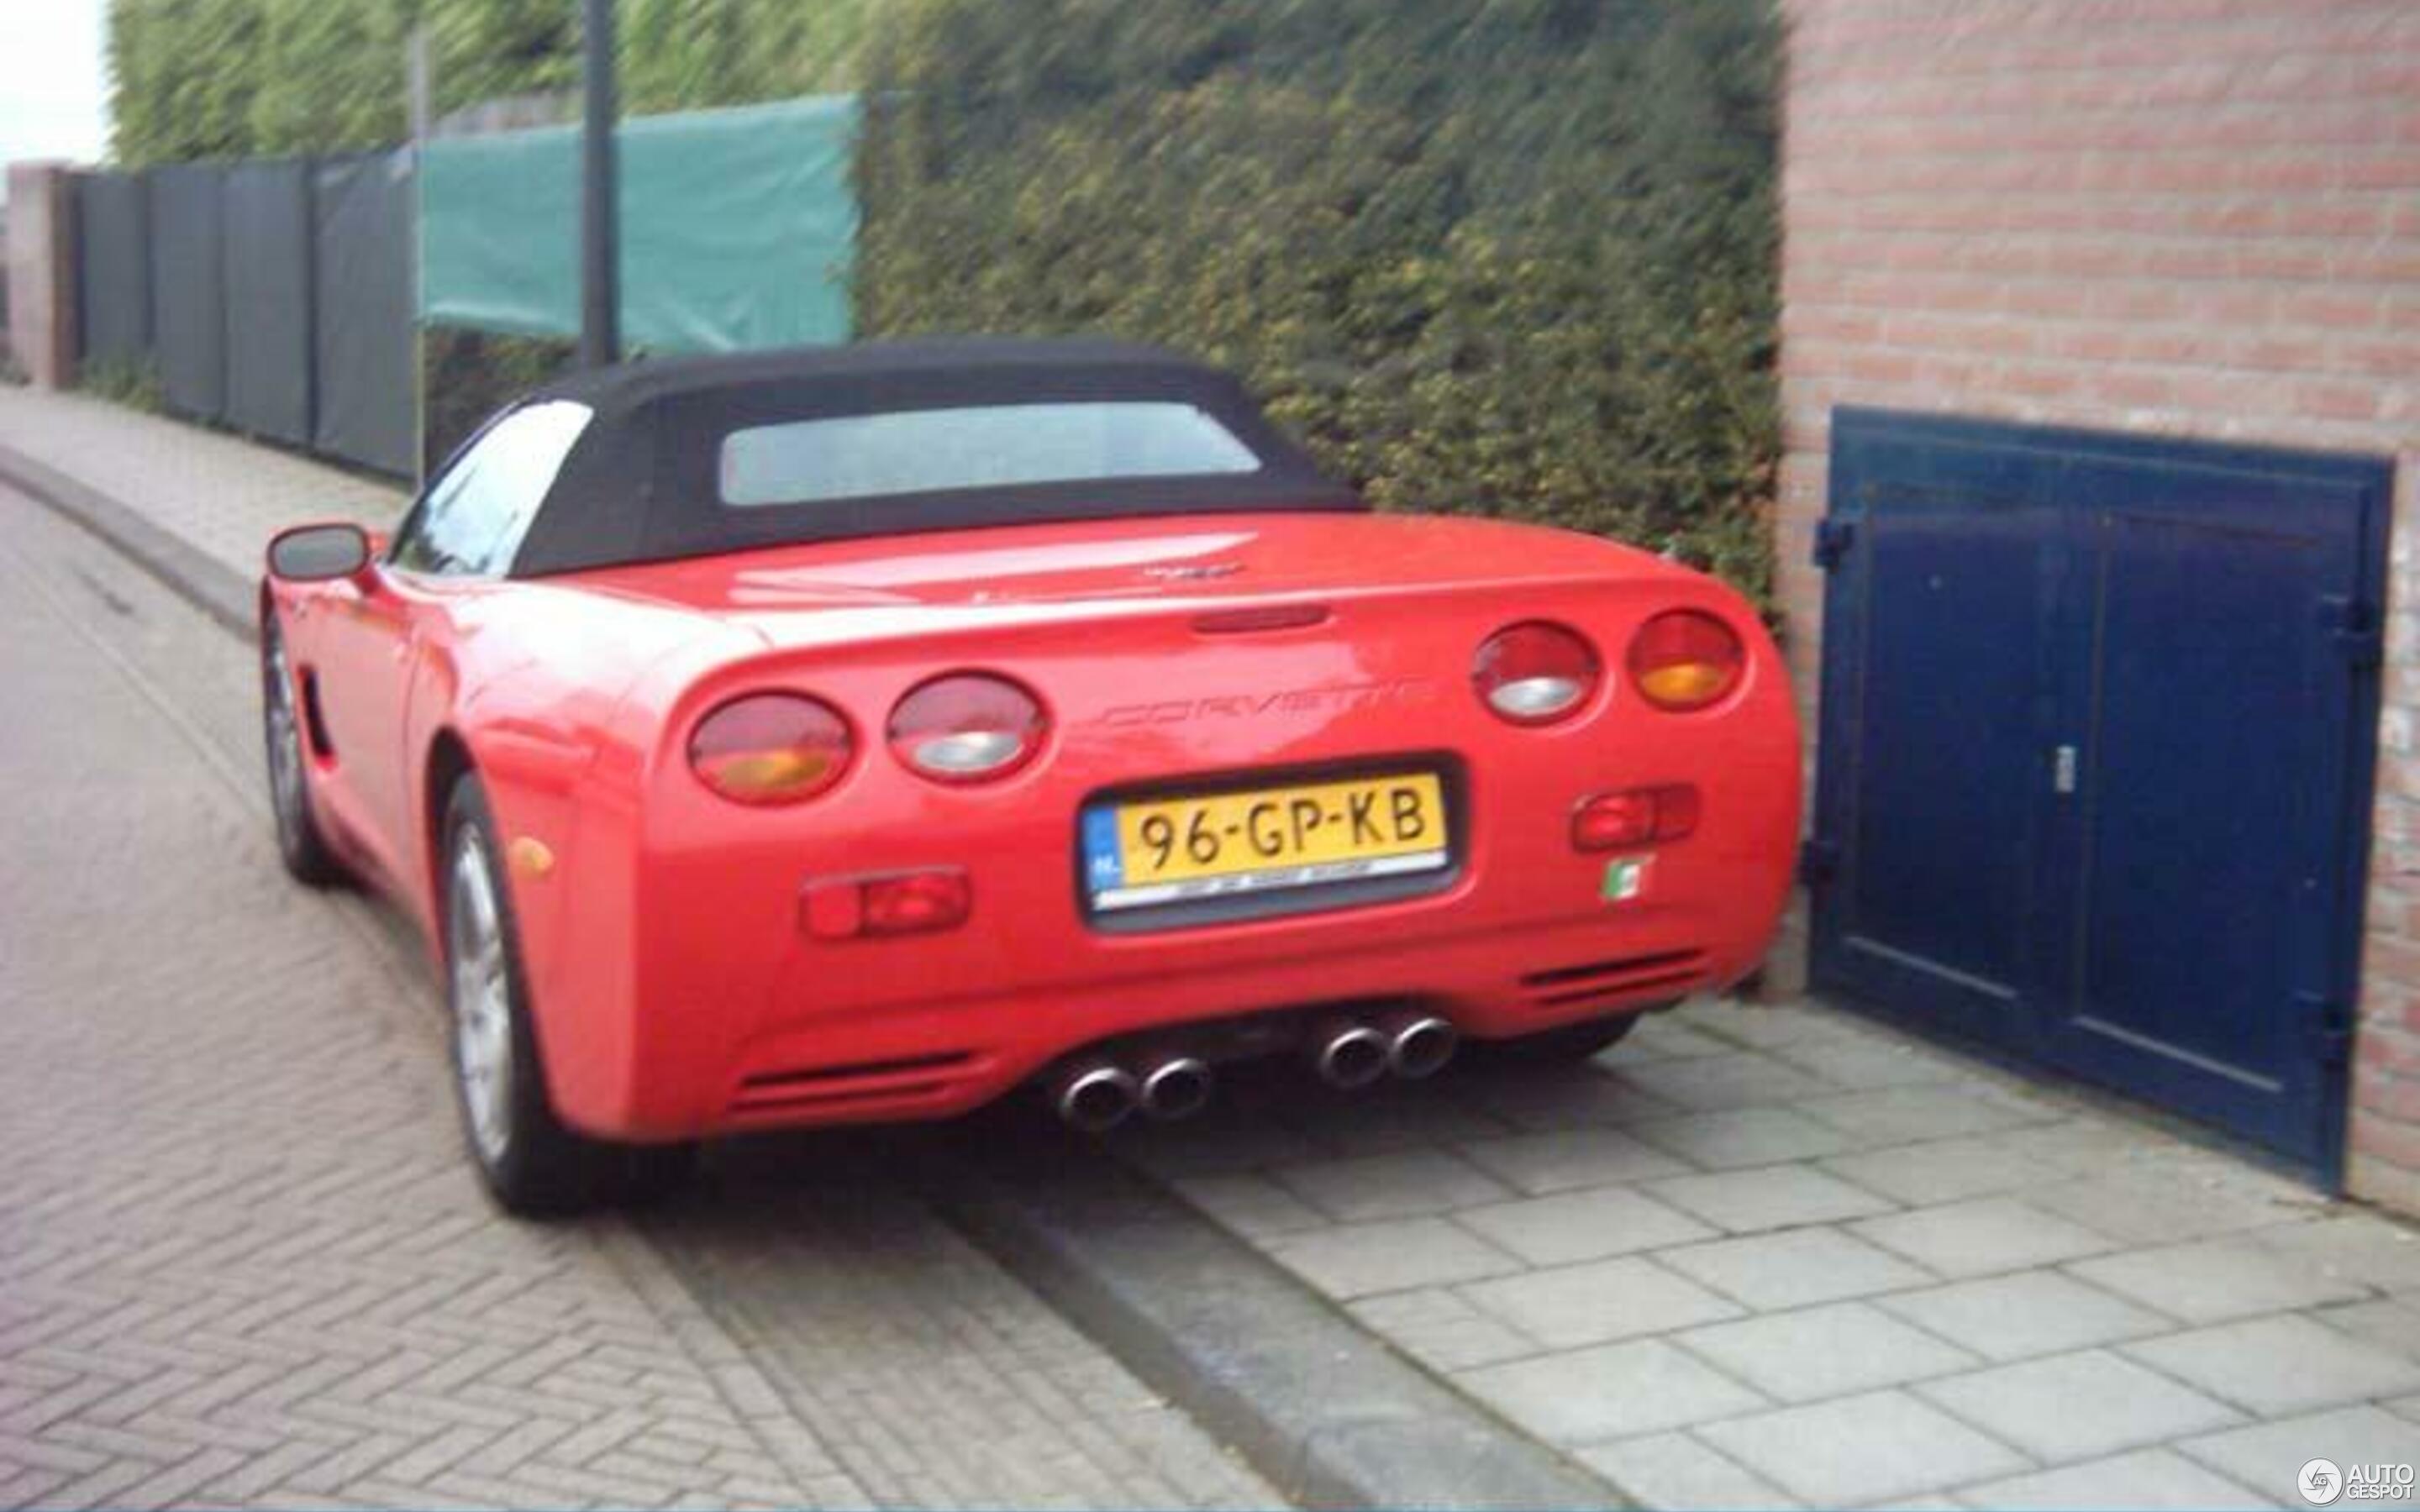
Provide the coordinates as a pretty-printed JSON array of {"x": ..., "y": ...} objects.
[
  {"x": 2097, "y": 729},
  {"x": 2207, "y": 721},
  {"x": 1943, "y": 800}
]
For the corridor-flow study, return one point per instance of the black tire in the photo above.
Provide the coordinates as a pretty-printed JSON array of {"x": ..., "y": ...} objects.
[
  {"x": 300, "y": 843},
  {"x": 533, "y": 1164},
  {"x": 1568, "y": 1045}
]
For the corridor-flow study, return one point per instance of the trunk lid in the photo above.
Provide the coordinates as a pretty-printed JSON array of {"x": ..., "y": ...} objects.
[{"x": 1043, "y": 574}]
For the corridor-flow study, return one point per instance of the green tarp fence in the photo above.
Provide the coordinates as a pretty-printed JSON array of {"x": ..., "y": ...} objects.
[{"x": 738, "y": 227}]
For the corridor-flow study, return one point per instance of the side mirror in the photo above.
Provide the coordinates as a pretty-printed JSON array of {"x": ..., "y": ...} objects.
[{"x": 319, "y": 553}]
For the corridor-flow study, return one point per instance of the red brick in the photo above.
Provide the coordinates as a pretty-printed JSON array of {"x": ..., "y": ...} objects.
[
  {"x": 2331, "y": 309},
  {"x": 2129, "y": 390},
  {"x": 2394, "y": 960},
  {"x": 2397, "y": 1144},
  {"x": 2324, "y": 400},
  {"x": 2041, "y": 383}
]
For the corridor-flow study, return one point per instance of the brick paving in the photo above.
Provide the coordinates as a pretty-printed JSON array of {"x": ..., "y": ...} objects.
[
  {"x": 1780, "y": 1255},
  {"x": 243, "y": 1260}
]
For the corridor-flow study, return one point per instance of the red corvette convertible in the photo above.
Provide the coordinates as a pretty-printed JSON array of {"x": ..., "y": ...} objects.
[{"x": 858, "y": 734}]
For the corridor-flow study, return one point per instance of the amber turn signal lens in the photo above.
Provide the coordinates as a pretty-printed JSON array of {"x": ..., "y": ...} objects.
[
  {"x": 1685, "y": 659},
  {"x": 771, "y": 749}
]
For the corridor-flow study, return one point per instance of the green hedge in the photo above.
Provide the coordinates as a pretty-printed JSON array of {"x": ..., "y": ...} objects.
[
  {"x": 262, "y": 78},
  {"x": 1510, "y": 258}
]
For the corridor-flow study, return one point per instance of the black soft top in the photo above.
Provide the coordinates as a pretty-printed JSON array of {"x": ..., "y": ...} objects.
[{"x": 640, "y": 485}]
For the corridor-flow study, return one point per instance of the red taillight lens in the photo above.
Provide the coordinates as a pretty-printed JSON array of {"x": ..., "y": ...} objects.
[
  {"x": 900, "y": 902},
  {"x": 1641, "y": 816},
  {"x": 967, "y": 728},
  {"x": 1535, "y": 673},
  {"x": 771, "y": 749},
  {"x": 1684, "y": 659},
  {"x": 917, "y": 902}
]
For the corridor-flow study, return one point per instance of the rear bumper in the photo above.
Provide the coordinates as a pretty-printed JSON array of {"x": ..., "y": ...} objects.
[
  {"x": 728, "y": 1014},
  {"x": 942, "y": 1063}
]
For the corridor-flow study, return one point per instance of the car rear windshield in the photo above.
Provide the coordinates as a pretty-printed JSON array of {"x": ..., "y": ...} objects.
[{"x": 986, "y": 447}]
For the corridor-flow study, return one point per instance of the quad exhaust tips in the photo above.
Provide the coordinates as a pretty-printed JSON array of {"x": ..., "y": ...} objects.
[
  {"x": 1411, "y": 1045},
  {"x": 1177, "y": 1088},
  {"x": 1349, "y": 1055},
  {"x": 1096, "y": 1096},
  {"x": 1419, "y": 1044}
]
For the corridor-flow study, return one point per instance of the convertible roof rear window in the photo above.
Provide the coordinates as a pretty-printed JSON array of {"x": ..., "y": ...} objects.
[
  {"x": 983, "y": 446},
  {"x": 694, "y": 455}
]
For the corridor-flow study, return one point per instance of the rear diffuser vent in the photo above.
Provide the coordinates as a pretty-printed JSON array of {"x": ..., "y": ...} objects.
[
  {"x": 862, "y": 1081},
  {"x": 1635, "y": 974}
]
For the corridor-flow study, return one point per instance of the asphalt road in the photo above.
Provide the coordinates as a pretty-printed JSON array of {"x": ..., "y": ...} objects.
[{"x": 242, "y": 1260}]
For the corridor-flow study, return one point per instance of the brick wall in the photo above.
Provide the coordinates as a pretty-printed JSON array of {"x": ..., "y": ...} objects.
[{"x": 2187, "y": 217}]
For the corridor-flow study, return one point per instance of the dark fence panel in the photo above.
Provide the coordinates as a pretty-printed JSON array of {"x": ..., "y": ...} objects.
[
  {"x": 363, "y": 341},
  {"x": 112, "y": 267},
  {"x": 267, "y": 222},
  {"x": 189, "y": 287}
]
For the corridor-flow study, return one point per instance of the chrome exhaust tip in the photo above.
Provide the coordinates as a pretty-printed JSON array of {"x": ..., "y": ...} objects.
[
  {"x": 1421, "y": 1045},
  {"x": 1349, "y": 1055},
  {"x": 1177, "y": 1088},
  {"x": 1095, "y": 1098}
]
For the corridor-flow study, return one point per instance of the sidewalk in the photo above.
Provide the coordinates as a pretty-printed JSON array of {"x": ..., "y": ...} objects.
[
  {"x": 222, "y": 495},
  {"x": 1753, "y": 1257},
  {"x": 1760, "y": 1257}
]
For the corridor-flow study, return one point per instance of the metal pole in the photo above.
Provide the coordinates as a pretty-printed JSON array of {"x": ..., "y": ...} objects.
[
  {"x": 419, "y": 80},
  {"x": 600, "y": 343}
]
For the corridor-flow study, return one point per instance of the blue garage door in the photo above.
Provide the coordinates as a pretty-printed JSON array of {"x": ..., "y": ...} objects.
[{"x": 2098, "y": 723}]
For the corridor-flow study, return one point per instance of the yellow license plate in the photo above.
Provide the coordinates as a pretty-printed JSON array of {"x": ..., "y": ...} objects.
[{"x": 1175, "y": 850}]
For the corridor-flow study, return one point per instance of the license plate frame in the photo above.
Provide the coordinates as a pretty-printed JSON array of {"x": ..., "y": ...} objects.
[{"x": 1303, "y": 880}]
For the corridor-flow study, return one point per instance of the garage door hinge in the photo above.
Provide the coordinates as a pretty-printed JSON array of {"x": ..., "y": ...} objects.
[
  {"x": 1819, "y": 860},
  {"x": 2354, "y": 625},
  {"x": 1833, "y": 538},
  {"x": 2331, "y": 1025}
]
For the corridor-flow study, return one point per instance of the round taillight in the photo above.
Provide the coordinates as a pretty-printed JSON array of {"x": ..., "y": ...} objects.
[
  {"x": 1683, "y": 659},
  {"x": 1535, "y": 673},
  {"x": 966, "y": 728},
  {"x": 771, "y": 749}
]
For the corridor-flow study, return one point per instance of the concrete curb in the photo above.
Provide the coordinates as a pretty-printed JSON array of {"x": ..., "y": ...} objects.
[
  {"x": 211, "y": 585},
  {"x": 1322, "y": 1409},
  {"x": 1326, "y": 1412}
]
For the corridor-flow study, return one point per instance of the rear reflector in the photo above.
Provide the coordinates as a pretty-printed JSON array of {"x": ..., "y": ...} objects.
[
  {"x": 1641, "y": 816},
  {"x": 900, "y": 902}
]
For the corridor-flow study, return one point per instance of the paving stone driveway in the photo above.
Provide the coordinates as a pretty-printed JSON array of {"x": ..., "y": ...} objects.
[{"x": 1760, "y": 1257}]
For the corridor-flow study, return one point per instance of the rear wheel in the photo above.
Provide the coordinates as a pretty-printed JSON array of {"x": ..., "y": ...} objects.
[
  {"x": 1567, "y": 1045},
  {"x": 301, "y": 845},
  {"x": 533, "y": 1162}
]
